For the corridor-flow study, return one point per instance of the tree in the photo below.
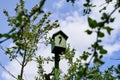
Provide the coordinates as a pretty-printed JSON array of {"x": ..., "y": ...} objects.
[
  {"x": 84, "y": 71},
  {"x": 26, "y": 35},
  {"x": 26, "y": 32}
]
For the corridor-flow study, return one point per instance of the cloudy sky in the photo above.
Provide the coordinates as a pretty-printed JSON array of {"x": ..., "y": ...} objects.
[{"x": 72, "y": 23}]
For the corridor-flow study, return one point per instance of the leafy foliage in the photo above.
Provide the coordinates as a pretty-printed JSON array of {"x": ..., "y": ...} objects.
[
  {"x": 27, "y": 31},
  {"x": 92, "y": 23}
]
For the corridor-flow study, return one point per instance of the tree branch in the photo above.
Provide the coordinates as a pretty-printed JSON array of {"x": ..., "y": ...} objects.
[{"x": 95, "y": 49}]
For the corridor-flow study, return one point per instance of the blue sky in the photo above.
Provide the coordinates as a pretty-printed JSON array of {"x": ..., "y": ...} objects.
[{"x": 72, "y": 23}]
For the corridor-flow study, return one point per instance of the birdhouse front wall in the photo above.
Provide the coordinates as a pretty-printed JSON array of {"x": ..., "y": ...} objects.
[{"x": 60, "y": 41}]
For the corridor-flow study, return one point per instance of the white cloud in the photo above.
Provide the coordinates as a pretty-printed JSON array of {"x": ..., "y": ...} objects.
[
  {"x": 112, "y": 48},
  {"x": 30, "y": 71},
  {"x": 59, "y": 4},
  {"x": 74, "y": 27}
]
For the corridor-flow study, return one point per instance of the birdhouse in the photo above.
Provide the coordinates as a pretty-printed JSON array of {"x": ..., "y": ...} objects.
[{"x": 59, "y": 42}]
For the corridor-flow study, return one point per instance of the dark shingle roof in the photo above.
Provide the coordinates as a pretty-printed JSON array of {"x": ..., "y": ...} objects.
[{"x": 60, "y": 32}]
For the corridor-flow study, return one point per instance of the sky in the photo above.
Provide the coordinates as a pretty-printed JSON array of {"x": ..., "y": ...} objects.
[{"x": 72, "y": 23}]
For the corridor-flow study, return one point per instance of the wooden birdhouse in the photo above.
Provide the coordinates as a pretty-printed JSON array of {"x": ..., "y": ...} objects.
[{"x": 59, "y": 42}]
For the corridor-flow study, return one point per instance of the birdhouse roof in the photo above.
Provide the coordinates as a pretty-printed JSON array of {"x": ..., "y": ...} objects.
[{"x": 60, "y": 32}]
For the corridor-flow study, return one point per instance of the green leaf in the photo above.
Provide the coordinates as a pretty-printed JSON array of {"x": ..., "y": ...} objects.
[
  {"x": 42, "y": 2},
  {"x": 97, "y": 60},
  {"x": 19, "y": 77},
  {"x": 100, "y": 47},
  {"x": 104, "y": 16},
  {"x": 86, "y": 5},
  {"x": 5, "y": 12},
  {"x": 8, "y": 51},
  {"x": 108, "y": 29},
  {"x": 88, "y": 32},
  {"x": 101, "y": 24},
  {"x": 92, "y": 23},
  {"x": 85, "y": 55},
  {"x": 101, "y": 34},
  {"x": 99, "y": 40},
  {"x": 112, "y": 20},
  {"x": 101, "y": 56},
  {"x": 1, "y": 35},
  {"x": 95, "y": 45},
  {"x": 103, "y": 51},
  {"x": 6, "y": 35},
  {"x": 67, "y": 0},
  {"x": 87, "y": 0},
  {"x": 73, "y": 1}
]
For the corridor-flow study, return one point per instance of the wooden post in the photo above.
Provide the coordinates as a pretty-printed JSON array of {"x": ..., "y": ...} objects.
[{"x": 57, "y": 72}]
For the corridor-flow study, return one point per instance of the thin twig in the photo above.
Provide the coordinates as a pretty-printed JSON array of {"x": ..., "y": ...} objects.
[
  {"x": 18, "y": 61},
  {"x": 15, "y": 58},
  {"x": 2, "y": 48},
  {"x": 8, "y": 71}
]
